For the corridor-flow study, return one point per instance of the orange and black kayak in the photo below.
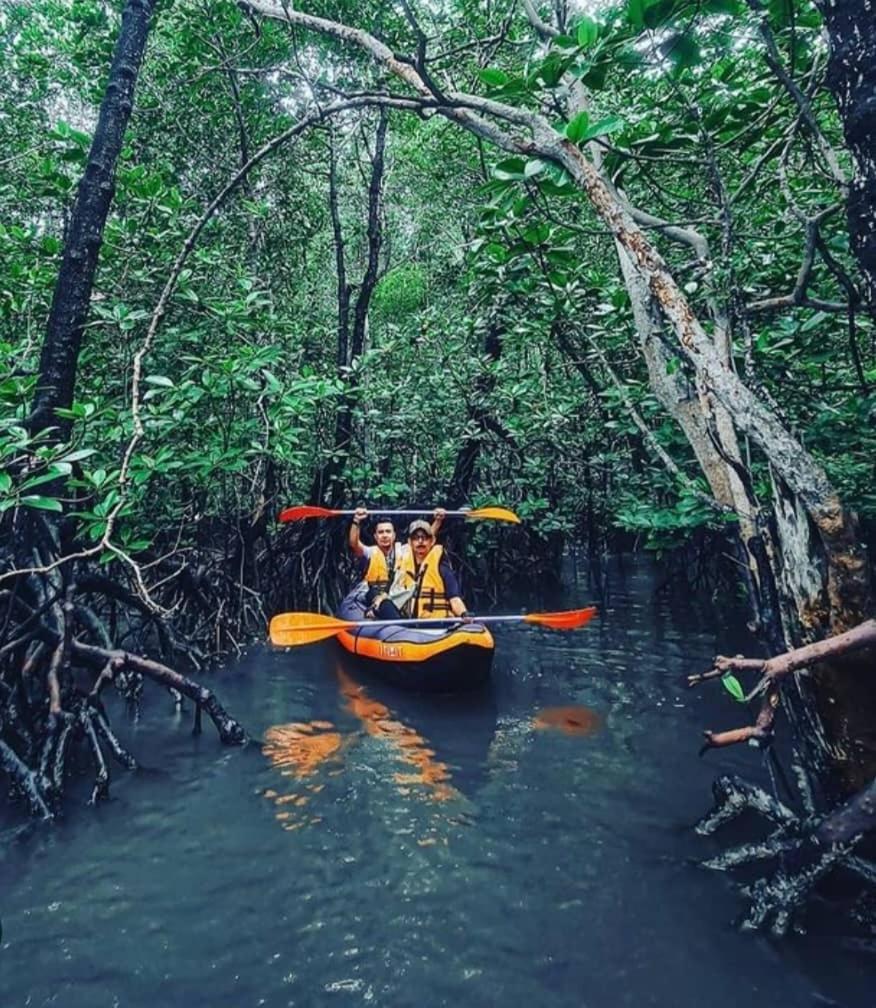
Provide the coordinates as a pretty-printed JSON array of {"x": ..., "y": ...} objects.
[{"x": 446, "y": 658}]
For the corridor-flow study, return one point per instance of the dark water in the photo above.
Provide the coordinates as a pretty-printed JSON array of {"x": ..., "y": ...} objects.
[{"x": 427, "y": 852}]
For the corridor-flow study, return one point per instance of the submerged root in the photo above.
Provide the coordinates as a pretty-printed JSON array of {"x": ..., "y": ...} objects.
[
  {"x": 807, "y": 850},
  {"x": 52, "y": 674}
]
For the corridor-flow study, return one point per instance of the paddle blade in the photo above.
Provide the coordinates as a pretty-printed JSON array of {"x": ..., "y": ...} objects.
[
  {"x": 495, "y": 513},
  {"x": 300, "y": 511},
  {"x": 293, "y": 628},
  {"x": 562, "y": 620}
]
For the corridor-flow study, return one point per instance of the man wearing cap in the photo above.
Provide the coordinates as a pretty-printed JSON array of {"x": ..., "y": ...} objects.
[
  {"x": 379, "y": 564},
  {"x": 425, "y": 572}
]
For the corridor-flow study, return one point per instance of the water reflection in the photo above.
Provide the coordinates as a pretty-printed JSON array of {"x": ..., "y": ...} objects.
[
  {"x": 406, "y": 743},
  {"x": 304, "y": 749},
  {"x": 557, "y": 872},
  {"x": 298, "y": 750},
  {"x": 571, "y": 720}
]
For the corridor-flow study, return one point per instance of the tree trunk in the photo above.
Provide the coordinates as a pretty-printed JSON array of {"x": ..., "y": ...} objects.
[
  {"x": 462, "y": 480},
  {"x": 351, "y": 339},
  {"x": 70, "y": 302},
  {"x": 343, "y": 328},
  {"x": 851, "y": 77}
]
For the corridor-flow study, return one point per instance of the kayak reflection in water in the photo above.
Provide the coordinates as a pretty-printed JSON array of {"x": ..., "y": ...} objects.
[{"x": 303, "y": 749}]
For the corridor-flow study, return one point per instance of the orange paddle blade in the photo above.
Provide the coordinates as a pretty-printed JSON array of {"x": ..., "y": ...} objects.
[
  {"x": 496, "y": 513},
  {"x": 293, "y": 628},
  {"x": 562, "y": 620},
  {"x": 300, "y": 511}
]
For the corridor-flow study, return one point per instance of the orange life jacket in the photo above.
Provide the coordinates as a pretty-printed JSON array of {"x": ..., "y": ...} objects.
[
  {"x": 379, "y": 573},
  {"x": 430, "y": 598}
]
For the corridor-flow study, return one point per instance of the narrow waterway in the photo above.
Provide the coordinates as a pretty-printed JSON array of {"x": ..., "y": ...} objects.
[{"x": 388, "y": 849}]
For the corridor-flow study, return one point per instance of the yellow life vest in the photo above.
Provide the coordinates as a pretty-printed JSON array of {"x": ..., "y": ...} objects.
[
  {"x": 430, "y": 598},
  {"x": 378, "y": 573}
]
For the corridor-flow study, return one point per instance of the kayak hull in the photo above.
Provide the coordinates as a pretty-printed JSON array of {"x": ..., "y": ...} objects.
[{"x": 449, "y": 658}]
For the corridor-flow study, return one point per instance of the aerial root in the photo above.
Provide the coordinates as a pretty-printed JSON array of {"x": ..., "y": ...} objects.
[
  {"x": 100, "y": 791},
  {"x": 102, "y": 726},
  {"x": 807, "y": 849},
  {"x": 27, "y": 781}
]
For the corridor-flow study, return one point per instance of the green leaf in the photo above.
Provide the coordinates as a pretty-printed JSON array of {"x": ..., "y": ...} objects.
[
  {"x": 158, "y": 379},
  {"x": 636, "y": 12},
  {"x": 537, "y": 234},
  {"x": 493, "y": 76},
  {"x": 610, "y": 124},
  {"x": 5, "y": 482},
  {"x": 552, "y": 69},
  {"x": 564, "y": 42},
  {"x": 552, "y": 188},
  {"x": 510, "y": 169},
  {"x": 79, "y": 455},
  {"x": 496, "y": 252},
  {"x": 54, "y": 472},
  {"x": 814, "y": 322},
  {"x": 576, "y": 129},
  {"x": 593, "y": 74},
  {"x": 588, "y": 31},
  {"x": 43, "y": 503},
  {"x": 733, "y": 687}
]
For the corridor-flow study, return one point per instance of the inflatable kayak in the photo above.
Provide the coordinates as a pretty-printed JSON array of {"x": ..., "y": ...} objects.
[{"x": 444, "y": 659}]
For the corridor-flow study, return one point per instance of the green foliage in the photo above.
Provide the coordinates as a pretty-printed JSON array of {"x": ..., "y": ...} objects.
[
  {"x": 499, "y": 320},
  {"x": 666, "y": 527},
  {"x": 400, "y": 293}
]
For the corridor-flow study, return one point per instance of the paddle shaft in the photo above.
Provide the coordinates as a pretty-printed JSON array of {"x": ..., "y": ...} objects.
[
  {"x": 379, "y": 512},
  {"x": 490, "y": 512},
  {"x": 429, "y": 621},
  {"x": 292, "y": 629}
]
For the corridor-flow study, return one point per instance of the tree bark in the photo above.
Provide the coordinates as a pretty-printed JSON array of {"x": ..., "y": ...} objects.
[
  {"x": 343, "y": 328},
  {"x": 351, "y": 339},
  {"x": 851, "y": 77},
  {"x": 460, "y": 486},
  {"x": 72, "y": 295}
]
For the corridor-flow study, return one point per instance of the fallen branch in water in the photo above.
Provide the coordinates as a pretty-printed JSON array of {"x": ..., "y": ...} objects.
[
  {"x": 807, "y": 848},
  {"x": 771, "y": 671},
  {"x": 230, "y": 732}
]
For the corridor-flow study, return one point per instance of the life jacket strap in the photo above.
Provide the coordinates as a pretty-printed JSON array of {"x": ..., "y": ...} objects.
[{"x": 436, "y": 601}]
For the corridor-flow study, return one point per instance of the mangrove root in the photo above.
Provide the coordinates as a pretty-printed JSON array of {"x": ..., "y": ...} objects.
[{"x": 807, "y": 849}]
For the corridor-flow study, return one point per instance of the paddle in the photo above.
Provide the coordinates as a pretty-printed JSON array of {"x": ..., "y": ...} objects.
[
  {"x": 300, "y": 511},
  {"x": 294, "y": 628}
]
